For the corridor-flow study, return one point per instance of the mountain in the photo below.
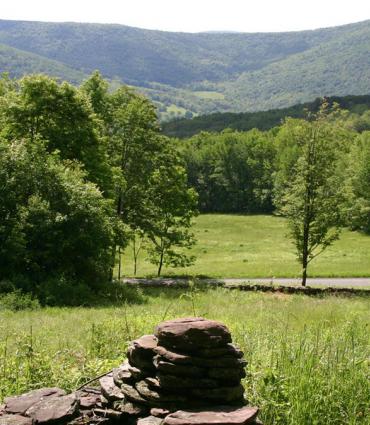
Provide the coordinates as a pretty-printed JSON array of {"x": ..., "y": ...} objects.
[
  {"x": 197, "y": 73},
  {"x": 262, "y": 120}
]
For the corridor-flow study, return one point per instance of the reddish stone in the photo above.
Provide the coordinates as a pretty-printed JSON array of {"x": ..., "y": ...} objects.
[
  {"x": 15, "y": 420},
  {"x": 192, "y": 333},
  {"x": 109, "y": 389},
  {"x": 222, "y": 416},
  {"x": 21, "y": 403},
  {"x": 54, "y": 409},
  {"x": 141, "y": 352}
]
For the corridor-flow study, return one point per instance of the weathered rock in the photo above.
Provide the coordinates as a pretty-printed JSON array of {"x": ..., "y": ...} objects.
[
  {"x": 153, "y": 383},
  {"x": 141, "y": 352},
  {"x": 91, "y": 420},
  {"x": 139, "y": 374},
  {"x": 53, "y": 409},
  {"x": 192, "y": 333},
  {"x": 222, "y": 362},
  {"x": 104, "y": 401},
  {"x": 109, "y": 389},
  {"x": 228, "y": 350},
  {"x": 130, "y": 409},
  {"x": 177, "y": 358},
  {"x": 178, "y": 369},
  {"x": 132, "y": 394},
  {"x": 158, "y": 412},
  {"x": 220, "y": 394},
  {"x": 109, "y": 413},
  {"x": 122, "y": 374},
  {"x": 145, "y": 391},
  {"x": 149, "y": 394},
  {"x": 221, "y": 416},
  {"x": 89, "y": 401},
  {"x": 14, "y": 420},
  {"x": 172, "y": 382},
  {"x": 150, "y": 420},
  {"x": 227, "y": 374},
  {"x": 20, "y": 404}
]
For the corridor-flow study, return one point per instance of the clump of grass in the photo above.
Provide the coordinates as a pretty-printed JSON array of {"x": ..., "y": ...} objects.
[{"x": 306, "y": 356}]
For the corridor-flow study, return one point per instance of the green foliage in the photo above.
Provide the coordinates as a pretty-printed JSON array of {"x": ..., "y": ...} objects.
[
  {"x": 246, "y": 71},
  {"x": 172, "y": 206},
  {"x": 266, "y": 120},
  {"x": 358, "y": 185},
  {"x": 59, "y": 114},
  {"x": 16, "y": 301},
  {"x": 308, "y": 186},
  {"x": 52, "y": 222},
  {"x": 231, "y": 171}
]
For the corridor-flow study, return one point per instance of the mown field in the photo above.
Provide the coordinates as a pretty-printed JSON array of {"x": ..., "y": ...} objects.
[
  {"x": 307, "y": 357},
  {"x": 258, "y": 246}
]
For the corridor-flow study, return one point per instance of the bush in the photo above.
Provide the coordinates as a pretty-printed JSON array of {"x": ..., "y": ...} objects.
[
  {"x": 16, "y": 301},
  {"x": 63, "y": 292}
]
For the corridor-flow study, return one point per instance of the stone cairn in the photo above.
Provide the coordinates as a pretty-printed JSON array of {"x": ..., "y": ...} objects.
[{"x": 187, "y": 373}]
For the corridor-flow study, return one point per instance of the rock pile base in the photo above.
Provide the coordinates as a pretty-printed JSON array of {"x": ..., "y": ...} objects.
[{"x": 187, "y": 373}]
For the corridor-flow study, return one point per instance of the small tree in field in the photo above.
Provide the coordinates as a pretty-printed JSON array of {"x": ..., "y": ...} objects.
[
  {"x": 172, "y": 208},
  {"x": 309, "y": 183}
]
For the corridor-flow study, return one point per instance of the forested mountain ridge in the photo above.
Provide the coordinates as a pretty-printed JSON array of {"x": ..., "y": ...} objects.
[
  {"x": 264, "y": 120},
  {"x": 203, "y": 72}
]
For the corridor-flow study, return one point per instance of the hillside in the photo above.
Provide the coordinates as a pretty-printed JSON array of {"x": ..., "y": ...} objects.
[
  {"x": 198, "y": 73},
  {"x": 262, "y": 120}
]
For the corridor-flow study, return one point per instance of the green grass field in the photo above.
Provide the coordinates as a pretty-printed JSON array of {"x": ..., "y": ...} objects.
[
  {"x": 258, "y": 246},
  {"x": 306, "y": 356}
]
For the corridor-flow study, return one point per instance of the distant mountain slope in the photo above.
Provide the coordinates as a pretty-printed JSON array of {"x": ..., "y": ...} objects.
[
  {"x": 204, "y": 72},
  {"x": 15, "y": 62},
  {"x": 262, "y": 120}
]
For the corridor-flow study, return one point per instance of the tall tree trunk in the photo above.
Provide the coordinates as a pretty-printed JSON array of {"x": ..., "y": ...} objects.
[
  {"x": 114, "y": 249},
  {"x": 119, "y": 264},
  {"x": 306, "y": 230},
  {"x": 160, "y": 262}
]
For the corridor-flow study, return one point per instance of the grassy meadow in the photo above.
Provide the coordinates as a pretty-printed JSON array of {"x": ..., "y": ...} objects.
[
  {"x": 258, "y": 246},
  {"x": 306, "y": 356}
]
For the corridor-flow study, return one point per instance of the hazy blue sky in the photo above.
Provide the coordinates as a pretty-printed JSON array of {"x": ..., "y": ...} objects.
[{"x": 195, "y": 15}]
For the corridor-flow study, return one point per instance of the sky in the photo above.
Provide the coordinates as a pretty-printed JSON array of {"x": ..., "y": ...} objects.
[{"x": 194, "y": 15}]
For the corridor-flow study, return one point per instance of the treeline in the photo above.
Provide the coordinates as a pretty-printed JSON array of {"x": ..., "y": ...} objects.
[
  {"x": 238, "y": 172},
  {"x": 84, "y": 171},
  {"x": 265, "y": 120}
]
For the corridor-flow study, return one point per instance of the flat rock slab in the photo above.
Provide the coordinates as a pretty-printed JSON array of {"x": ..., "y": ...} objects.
[
  {"x": 165, "y": 355},
  {"x": 179, "y": 369},
  {"x": 109, "y": 389},
  {"x": 220, "y": 394},
  {"x": 20, "y": 404},
  {"x": 15, "y": 420},
  {"x": 192, "y": 333},
  {"x": 222, "y": 416},
  {"x": 54, "y": 409},
  {"x": 228, "y": 350},
  {"x": 176, "y": 383},
  {"x": 122, "y": 374},
  {"x": 130, "y": 409},
  {"x": 141, "y": 351},
  {"x": 150, "y": 420}
]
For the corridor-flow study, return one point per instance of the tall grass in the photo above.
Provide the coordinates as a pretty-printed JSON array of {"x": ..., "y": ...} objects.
[{"x": 307, "y": 357}]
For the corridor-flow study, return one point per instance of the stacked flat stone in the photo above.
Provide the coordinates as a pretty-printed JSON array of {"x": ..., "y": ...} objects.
[
  {"x": 187, "y": 373},
  {"x": 187, "y": 364}
]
